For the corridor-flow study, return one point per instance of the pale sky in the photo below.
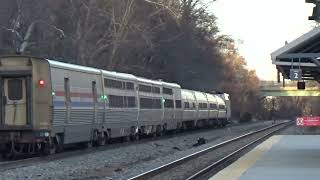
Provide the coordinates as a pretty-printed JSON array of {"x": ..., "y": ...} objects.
[{"x": 263, "y": 26}]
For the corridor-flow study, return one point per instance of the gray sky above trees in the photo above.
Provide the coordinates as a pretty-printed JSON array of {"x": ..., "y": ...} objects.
[{"x": 262, "y": 27}]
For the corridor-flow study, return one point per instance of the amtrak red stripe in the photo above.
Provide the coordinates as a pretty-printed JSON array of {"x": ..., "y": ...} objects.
[{"x": 74, "y": 94}]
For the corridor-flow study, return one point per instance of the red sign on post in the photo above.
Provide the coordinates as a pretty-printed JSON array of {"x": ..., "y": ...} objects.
[{"x": 308, "y": 121}]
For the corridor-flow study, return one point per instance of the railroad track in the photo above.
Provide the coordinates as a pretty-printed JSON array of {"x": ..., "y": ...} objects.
[
  {"x": 6, "y": 165},
  {"x": 199, "y": 164}
]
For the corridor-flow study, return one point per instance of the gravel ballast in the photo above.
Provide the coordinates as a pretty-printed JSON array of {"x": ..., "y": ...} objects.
[{"x": 128, "y": 161}]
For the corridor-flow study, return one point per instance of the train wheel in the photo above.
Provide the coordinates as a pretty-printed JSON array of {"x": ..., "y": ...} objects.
[
  {"x": 159, "y": 131},
  {"x": 101, "y": 140},
  {"x": 9, "y": 152},
  {"x": 48, "y": 150},
  {"x": 184, "y": 126},
  {"x": 59, "y": 143},
  {"x": 135, "y": 137},
  {"x": 14, "y": 151},
  {"x": 178, "y": 128},
  {"x": 8, "y": 155},
  {"x": 126, "y": 139},
  {"x": 88, "y": 144}
]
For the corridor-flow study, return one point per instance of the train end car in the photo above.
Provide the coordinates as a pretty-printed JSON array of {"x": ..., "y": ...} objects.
[
  {"x": 26, "y": 101},
  {"x": 225, "y": 97}
]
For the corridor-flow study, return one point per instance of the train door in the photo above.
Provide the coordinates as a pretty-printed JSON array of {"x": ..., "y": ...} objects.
[
  {"x": 95, "y": 102},
  {"x": 67, "y": 99},
  {"x": 15, "y": 101}
]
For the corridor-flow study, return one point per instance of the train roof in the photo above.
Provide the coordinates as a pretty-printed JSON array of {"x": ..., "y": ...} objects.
[
  {"x": 187, "y": 94},
  {"x": 211, "y": 97},
  {"x": 224, "y": 96},
  {"x": 173, "y": 85},
  {"x": 119, "y": 75},
  {"x": 220, "y": 100},
  {"x": 73, "y": 67},
  {"x": 200, "y": 95},
  {"x": 148, "y": 81},
  {"x": 109, "y": 73},
  {"x": 91, "y": 70}
]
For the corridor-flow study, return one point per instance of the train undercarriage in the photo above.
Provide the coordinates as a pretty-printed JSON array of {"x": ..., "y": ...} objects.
[{"x": 17, "y": 144}]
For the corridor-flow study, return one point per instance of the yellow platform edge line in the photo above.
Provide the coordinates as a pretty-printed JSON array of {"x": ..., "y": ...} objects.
[{"x": 236, "y": 169}]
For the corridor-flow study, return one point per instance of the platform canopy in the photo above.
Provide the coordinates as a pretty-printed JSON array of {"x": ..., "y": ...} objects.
[{"x": 302, "y": 53}]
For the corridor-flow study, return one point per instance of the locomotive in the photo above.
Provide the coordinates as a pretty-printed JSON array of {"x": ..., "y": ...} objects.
[{"x": 47, "y": 104}]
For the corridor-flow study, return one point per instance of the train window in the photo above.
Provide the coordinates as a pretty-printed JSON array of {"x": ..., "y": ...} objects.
[
  {"x": 194, "y": 105},
  {"x": 131, "y": 101},
  {"x": 67, "y": 90},
  {"x": 167, "y": 91},
  {"x": 15, "y": 89},
  {"x": 156, "y": 104},
  {"x": 125, "y": 101},
  {"x": 203, "y": 105},
  {"x": 144, "y": 88},
  {"x": 94, "y": 91},
  {"x": 168, "y": 103},
  {"x": 156, "y": 90},
  {"x": 178, "y": 104},
  {"x": 213, "y": 106},
  {"x": 222, "y": 107},
  {"x": 116, "y": 101},
  {"x": 145, "y": 103},
  {"x": 129, "y": 86},
  {"x": 110, "y": 83},
  {"x": 186, "y": 105}
]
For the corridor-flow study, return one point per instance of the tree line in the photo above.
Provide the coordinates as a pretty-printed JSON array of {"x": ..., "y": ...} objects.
[{"x": 173, "y": 40}]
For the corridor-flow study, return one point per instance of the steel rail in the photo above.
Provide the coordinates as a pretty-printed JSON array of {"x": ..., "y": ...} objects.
[
  {"x": 163, "y": 168},
  {"x": 228, "y": 157}
]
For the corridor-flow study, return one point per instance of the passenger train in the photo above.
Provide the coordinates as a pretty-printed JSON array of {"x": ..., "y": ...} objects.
[{"x": 47, "y": 104}]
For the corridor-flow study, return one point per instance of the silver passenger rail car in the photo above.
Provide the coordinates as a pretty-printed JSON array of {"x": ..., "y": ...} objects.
[
  {"x": 151, "y": 106},
  {"x": 213, "y": 110},
  {"x": 203, "y": 109},
  {"x": 46, "y": 104},
  {"x": 190, "y": 108},
  {"x": 225, "y": 97},
  {"x": 120, "y": 117}
]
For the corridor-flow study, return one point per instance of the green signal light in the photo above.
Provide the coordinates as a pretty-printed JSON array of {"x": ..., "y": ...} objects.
[
  {"x": 53, "y": 93},
  {"x": 163, "y": 100},
  {"x": 104, "y": 97}
]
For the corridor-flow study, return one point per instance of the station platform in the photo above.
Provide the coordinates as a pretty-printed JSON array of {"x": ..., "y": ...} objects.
[{"x": 288, "y": 157}]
